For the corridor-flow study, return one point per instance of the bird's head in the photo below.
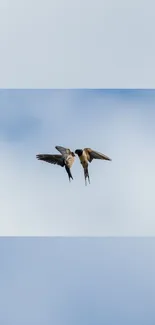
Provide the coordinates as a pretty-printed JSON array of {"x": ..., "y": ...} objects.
[{"x": 79, "y": 152}]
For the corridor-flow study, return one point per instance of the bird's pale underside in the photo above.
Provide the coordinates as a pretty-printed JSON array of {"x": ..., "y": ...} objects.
[{"x": 67, "y": 157}]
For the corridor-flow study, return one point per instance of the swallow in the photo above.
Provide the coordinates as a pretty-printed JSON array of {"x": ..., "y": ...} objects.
[
  {"x": 66, "y": 159},
  {"x": 86, "y": 156}
]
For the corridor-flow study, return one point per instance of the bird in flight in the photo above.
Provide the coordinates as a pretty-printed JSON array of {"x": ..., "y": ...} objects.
[
  {"x": 66, "y": 159},
  {"x": 86, "y": 156}
]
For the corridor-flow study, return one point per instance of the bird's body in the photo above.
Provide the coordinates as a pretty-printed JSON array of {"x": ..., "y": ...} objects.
[
  {"x": 83, "y": 159},
  {"x": 66, "y": 159},
  {"x": 69, "y": 161},
  {"x": 86, "y": 156}
]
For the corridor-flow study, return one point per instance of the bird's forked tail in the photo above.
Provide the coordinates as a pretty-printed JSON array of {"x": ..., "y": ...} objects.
[
  {"x": 69, "y": 173},
  {"x": 86, "y": 175}
]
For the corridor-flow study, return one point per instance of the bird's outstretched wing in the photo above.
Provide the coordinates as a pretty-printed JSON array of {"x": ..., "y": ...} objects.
[
  {"x": 91, "y": 154},
  {"x": 64, "y": 151},
  {"x": 52, "y": 159}
]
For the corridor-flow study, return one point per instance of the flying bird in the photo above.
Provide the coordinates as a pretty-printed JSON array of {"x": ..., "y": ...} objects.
[
  {"x": 86, "y": 156},
  {"x": 66, "y": 159}
]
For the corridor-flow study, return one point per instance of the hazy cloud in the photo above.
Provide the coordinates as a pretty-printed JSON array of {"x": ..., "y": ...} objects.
[{"x": 86, "y": 44}]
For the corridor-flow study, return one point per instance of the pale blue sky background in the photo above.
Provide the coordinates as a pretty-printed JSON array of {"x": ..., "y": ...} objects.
[
  {"x": 37, "y": 199},
  {"x": 84, "y": 44},
  {"x": 77, "y": 281},
  {"x": 65, "y": 43}
]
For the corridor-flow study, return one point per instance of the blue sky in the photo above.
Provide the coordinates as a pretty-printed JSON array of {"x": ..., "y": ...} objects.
[
  {"x": 66, "y": 44},
  {"x": 37, "y": 199},
  {"x": 101, "y": 44},
  {"x": 77, "y": 281}
]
